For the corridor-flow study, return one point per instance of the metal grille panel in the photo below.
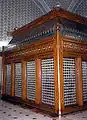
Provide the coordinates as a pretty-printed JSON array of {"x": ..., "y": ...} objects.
[
  {"x": 84, "y": 77},
  {"x": 48, "y": 81},
  {"x": 69, "y": 81},
  {"x": 18, "y": 80},
  {"x": 31, "y": 80},
  {"x": 8, "y": 79}
]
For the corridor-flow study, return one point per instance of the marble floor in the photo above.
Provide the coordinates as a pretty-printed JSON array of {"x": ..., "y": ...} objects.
[{"x": 10, "y": 111}]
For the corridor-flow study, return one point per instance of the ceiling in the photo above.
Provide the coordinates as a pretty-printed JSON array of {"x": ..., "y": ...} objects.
[{"x": 16, "y": 13}]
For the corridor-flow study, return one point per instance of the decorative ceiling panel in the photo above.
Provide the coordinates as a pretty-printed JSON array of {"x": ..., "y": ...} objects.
[
  {"x": 16, "y": 13},
  {"x": 81, "y": 8},
  {"x": 62, "y": 3}
]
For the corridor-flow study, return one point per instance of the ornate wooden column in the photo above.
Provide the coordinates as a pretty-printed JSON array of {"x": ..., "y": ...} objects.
[
  {"x": 58, "y": 72},
  {"x": 4, "y": 72},
  {"x": 79, "y": 89},
  {"x": 12, "y": 79},
  {"x": 24, "y": 90},
  {"x": 38, "y": 82}
]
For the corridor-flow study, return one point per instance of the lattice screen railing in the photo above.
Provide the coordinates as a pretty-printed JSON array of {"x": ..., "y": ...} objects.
[
  {"x": 8, "y": 79},
  {"x": 69, "y": 81},
  {"x": 18, "y": 80},
  {"x": 84, "y": 78},
  {"x": 48, "y": 81},
  {"x": 31, "y": 80}
]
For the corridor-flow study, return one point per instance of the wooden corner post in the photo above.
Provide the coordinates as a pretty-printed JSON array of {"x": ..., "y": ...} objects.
[
  {"x": 12, "y": 79},
  {"x": 24, "y": 81},
  {"x": 38, "y": 81},
  {"x": 4, "y": 72},
  {"x": 58, "y": 72},
  {"x": 79, "y": 89}
]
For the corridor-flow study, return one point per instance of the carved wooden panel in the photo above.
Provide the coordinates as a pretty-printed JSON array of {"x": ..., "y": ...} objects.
[
  {"x": 32, "y": 49},
  {"x": 74, "y": 45}
]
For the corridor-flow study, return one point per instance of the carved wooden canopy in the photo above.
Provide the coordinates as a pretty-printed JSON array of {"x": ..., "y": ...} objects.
[{"x": 71, "y": 25}]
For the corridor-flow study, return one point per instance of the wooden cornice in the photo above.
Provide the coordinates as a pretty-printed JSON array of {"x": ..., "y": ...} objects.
[{"x": 55, "y": 13}]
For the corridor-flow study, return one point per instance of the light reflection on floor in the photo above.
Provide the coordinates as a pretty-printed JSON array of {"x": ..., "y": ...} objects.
[{"x": 9, "y": 111}]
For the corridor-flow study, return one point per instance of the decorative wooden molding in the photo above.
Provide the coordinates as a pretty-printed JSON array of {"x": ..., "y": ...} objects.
[
  {"x": 46, "y": 46},
  {"x": 38, "y": 82},
  {"x": 79, "y": 84},
  {"x": 24, "y": 81},
  {"x": 32, "y": 49},
  {"x": 74, "y": 45}
]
